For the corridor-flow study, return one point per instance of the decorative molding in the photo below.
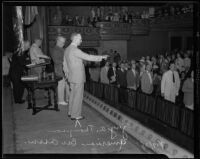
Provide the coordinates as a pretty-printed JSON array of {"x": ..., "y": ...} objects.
[
  {"x": 90, "y": 35},
  {"x": 177, "y": 22},
  {"x": 146, "y": 136},
  {"x": 115, "y": 30},
  {"x": 86, "y": 32}
]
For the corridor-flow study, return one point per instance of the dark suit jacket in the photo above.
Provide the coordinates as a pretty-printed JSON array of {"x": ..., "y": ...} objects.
[
  {"x": 121, "y": 78},
  {"x": 111, "y": 73},
  {"x": 57, "y": 54},
  {"x": 18, "y": 64},
  {"x": 132, "y": 80}
]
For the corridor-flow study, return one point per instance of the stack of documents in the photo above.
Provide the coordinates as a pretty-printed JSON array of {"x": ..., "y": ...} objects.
[{"x": 30, "y": 78}]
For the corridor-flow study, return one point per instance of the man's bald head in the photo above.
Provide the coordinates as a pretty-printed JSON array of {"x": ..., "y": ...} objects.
[
  {"x": 74, "y": 35},
  {"x": 60, "y": 41},
  {"x": 76, "y": 38}
]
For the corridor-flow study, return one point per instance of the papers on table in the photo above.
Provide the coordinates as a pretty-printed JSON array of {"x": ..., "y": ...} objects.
[{"x": 30, "y": 78}]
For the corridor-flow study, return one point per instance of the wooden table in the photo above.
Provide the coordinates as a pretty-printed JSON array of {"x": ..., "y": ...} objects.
[{"x": 47, "y": 85}]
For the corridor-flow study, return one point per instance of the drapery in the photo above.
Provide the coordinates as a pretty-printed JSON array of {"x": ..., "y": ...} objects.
[
  {"x": 18, "y": 29},
  {"x": 30, "y": 14},
  {"x": 35, "y": 22}
]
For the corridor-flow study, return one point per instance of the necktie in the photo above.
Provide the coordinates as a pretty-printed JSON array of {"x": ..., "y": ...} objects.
[{"x": 173, "y": 78}]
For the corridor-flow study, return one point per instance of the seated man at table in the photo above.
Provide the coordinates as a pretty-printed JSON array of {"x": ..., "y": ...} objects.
[
  {"x": 57, "y": 55},
  {"x": 37, "y": 56}
]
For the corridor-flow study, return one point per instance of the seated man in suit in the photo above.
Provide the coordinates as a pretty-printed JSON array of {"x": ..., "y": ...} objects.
[
  {"x": 133, "y": 77},
  {"x": 147, "y": 80},
  {"x": 37, "y": 56}
]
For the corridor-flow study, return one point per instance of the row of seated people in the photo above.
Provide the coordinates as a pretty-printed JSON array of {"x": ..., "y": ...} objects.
[{"x": 169, "y": 75}]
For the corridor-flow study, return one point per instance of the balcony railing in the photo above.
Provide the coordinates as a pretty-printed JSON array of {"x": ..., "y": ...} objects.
[{"x": 155, "y": 107}]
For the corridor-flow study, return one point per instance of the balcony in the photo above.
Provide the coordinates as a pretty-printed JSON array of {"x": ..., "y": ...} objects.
[
  {"x": 90, "y": 35},
  {"x": 121, "y": 31}
]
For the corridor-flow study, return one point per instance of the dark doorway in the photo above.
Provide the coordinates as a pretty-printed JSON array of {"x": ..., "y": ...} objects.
[
  {"x": 189, "y": 43},
  {"x": 8, "y": 33},
  {"x": 176, "y": 43}
]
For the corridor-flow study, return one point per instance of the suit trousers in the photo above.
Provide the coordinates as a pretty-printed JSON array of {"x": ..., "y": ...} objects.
[
  {"x": 18, "y": 87},
  {"x": 63, "y": 90},
  {"x": 76, "y": 99}
]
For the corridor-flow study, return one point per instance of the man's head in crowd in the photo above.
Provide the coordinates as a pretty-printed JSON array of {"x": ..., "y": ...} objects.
[
  {"x": 133, "y": 66},
  {"x": 38, "y": 42},
  {"x": 60, "y": 41},
  {"x": 107, "y": 63},
  {"x": 148, "y": 67},
  {"x": 122, "y": 65},
  {"x": 133, "y": 61},
  {"x": 172, "y": 66},
  {"x": 114, "y": 64}
]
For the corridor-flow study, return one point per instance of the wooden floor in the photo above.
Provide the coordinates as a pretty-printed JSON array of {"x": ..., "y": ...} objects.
[{"x": 53, "y": 132}]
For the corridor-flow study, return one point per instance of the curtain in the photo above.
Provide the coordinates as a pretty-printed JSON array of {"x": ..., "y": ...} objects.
[{"x": 35, "y": 20}]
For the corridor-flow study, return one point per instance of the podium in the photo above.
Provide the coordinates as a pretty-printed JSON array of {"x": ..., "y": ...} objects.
[
  {"x": 42, "y": 65},
  {"x": 46, "y": 84},
  {"x": 39, "y": 81}
]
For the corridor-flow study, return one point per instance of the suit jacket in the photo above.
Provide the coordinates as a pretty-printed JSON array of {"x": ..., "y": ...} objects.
[
  {"x": 74, "y": 58},
  {"x": 188, "y": 89},
  {"x": 121, "y": 78},
  {"x": 95, "y": 73},
  {"x": 132, "y": 80},
  {"x": 167, "y": 84},
  {"x": 104, "y": 75},
  {"x": 111, "y": 74},
  {"x": 57, "y": 54},
  {"x": 146, "y": 85},
  {"x": 18, "y": 64}
]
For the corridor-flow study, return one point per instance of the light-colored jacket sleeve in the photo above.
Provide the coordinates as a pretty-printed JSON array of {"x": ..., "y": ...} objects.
[
  {"x": 65, "y": 67},
  {"x": 128, "y": 79},
  {"x": 163, "y": 83},
  {"x": 178, "y": 82},
  {"x": 85, "y": 56},
  {"x": 143, "y": 83}
]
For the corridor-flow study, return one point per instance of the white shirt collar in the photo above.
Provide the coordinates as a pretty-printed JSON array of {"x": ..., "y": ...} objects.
[{"x": 74, "y": 44}]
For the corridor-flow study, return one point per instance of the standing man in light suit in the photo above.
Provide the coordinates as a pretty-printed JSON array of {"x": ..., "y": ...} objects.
[
  {"x": 170, "y": 83},
  {"x": 76, "y": 74}
]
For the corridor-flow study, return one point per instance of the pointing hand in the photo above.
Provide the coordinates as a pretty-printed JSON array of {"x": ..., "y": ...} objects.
[{"x": 105, "y": 56}]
